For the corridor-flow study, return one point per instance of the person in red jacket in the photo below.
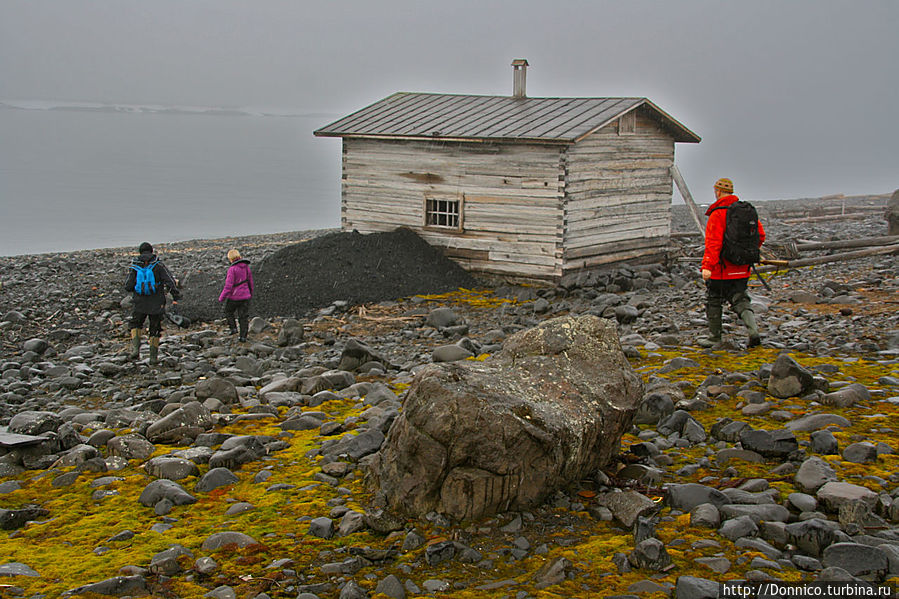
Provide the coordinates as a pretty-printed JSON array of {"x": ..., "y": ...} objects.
[{"x": 725, "y": 281}]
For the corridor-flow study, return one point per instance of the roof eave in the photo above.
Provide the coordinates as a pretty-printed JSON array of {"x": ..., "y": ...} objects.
[{"x": 536, "y": 140}]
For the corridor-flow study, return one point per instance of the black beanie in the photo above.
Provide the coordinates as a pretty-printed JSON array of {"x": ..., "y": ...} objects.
[{"x": 145, "y": 248}]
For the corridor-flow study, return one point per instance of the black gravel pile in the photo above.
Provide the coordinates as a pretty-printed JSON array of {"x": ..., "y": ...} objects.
[{"x": 352, "y": 267}]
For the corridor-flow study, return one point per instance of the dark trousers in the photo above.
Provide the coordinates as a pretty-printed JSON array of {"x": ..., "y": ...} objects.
[
  {"x": 137, "y": 322},
  {"x": 242, "y": 307},
  {"x": 718, "y": 291}
]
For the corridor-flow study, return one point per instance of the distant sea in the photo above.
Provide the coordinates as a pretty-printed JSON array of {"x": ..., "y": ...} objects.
[{"x": 84, "y": 176}]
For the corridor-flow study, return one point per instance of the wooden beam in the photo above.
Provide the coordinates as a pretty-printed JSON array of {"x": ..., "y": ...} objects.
[
  {"x": 688, "y": 198},
  {"x": 889, "y": 249},
  {"x": 850, "y": 243}
]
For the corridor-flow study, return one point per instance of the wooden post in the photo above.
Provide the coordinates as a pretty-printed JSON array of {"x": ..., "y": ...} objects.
[{"x": 688, "y": 198}]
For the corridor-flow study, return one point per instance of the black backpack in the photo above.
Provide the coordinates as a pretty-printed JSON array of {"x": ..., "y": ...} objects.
[{"x": 741, "y": 234}]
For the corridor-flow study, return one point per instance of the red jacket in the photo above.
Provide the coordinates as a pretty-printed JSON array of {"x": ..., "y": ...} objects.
[{"x": 714, "y": 237}]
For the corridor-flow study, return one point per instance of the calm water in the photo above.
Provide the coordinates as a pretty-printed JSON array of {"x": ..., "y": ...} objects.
[{"x": 78, "y": 180}]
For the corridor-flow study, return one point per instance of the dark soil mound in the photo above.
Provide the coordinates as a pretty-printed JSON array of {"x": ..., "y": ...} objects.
[{"x": 356, "y": 268}]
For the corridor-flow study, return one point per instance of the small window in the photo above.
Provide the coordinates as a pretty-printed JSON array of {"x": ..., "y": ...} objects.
[
  {"x": 443, "y": 213},
  {"x": 627, "y": 123}
]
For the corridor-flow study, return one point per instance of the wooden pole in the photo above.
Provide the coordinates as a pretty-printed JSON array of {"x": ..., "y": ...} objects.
[
  {"x": 890, "y": 249},
  {"x": 688, "y": 198},
  {"x": 851, "y": 243}
]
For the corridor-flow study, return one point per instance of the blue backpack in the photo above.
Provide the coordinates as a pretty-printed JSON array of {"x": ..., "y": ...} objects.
[{"x": 145, "y": 281}]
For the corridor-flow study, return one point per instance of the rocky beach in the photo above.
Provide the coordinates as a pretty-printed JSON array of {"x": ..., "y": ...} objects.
[{"x": 258, "y": 469}]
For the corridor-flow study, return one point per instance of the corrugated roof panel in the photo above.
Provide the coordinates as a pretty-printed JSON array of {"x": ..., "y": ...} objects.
[{"x": 434, "y": 116}]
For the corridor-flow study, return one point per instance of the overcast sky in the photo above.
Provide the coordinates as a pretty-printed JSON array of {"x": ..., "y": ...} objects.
[{"x": 793, "y": 98}]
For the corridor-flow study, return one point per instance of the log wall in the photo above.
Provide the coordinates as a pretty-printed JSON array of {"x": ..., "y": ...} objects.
[
  {"x": 618, "y": 196},
  {"x": 512, "y": 220}
]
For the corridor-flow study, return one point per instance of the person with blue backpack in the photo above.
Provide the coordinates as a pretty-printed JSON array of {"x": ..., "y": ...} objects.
[
  {"x": 148, "y": 281},
  {"x": 237, "y": 292}
]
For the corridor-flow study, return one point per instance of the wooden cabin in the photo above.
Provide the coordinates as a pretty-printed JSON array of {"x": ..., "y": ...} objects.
[{"x": 525, "y": 188}]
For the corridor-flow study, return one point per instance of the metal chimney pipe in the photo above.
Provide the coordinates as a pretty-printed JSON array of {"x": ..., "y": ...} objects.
[{"x": 519, "y": 77}]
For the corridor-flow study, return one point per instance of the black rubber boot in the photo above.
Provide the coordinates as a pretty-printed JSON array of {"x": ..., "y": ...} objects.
[
  {"x": 748, "y": 317},
  {"x": 154, "y": 350}
]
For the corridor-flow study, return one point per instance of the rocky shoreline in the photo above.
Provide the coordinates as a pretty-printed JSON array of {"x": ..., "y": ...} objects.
[{"x": 732, "y": 471}]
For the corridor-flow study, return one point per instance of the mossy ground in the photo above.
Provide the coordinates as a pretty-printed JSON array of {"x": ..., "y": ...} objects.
[{"x": 72, "y": 546}]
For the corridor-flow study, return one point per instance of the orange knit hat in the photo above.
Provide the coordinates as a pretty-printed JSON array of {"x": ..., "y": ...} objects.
[{"x": 725, "y": 185}]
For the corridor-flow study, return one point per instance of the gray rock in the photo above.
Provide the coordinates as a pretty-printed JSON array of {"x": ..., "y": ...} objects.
[
  {"x": 351, "y": 590},
  {"x": 165, "y": 489},
  {"x": 860, "y": 453},
  {"x": 118, "y": 586},
  {"x": 691, "y": 587},
  {"x": 687, "y": 496},
  {"x": 847, "y": 397},
  {"x": 220, "y": 539},
  {"x": 771, "y": 444},
  {"x": 34, "y": 423},
  {"x": 857, "y": 559},
  {"x": 217, "y": 387},
  {"x": 551, "y": 573},
  {"x": 813, "y": 536},
  {"x": 450, "y": 353},
  {"x": 834, "y": 493},
  {"x": 171, "y": 468},
  {"x": 222, "y": 592},
  {"x": 758, "y": 513},
  {"x": 649, "y": 554},
  {"x": 627, "y": 506},
  {"x": 17, "y": 569},
  {"x": 789, "y": 379},
  {"x": 215, "y": 478},
  {"x": 392, "y": 587},
  {"x": 705, "y": 515},
  {"x": 814, "y": 422},
  {"x": 17, "y": 518},
  {"x": 291, "y": 333},
  {"x": 442, "y": 317},
  {"x": 736, "y": 528},
  {"x": 321, "y": 527},
  {"x": 824, "y": 443},
  {"x": 813, "y": 474},
  {"x": 186, "y": 422},
  {"x": 351, "y": 522}
]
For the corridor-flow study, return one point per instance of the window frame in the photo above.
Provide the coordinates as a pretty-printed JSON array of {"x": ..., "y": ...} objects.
[{"x": 445, "y": 210}]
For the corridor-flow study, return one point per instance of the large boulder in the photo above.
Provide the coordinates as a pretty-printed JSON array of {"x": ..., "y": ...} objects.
[
  {"x": 892, "y": 214},
  {"x": 477, "y": 438}
]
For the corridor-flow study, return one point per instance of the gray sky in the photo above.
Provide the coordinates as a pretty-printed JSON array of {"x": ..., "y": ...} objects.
[{"x": 793, "y": 98}]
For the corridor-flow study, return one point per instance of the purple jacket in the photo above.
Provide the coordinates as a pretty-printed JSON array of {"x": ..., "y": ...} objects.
[{"x": 239, "y": 282}]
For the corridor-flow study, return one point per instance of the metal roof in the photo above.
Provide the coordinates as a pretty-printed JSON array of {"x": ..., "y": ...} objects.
[{"x": 406, "y": 115}]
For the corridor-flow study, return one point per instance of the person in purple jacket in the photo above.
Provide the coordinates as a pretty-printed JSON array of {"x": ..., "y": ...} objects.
[{"x": 237, "y": 293}]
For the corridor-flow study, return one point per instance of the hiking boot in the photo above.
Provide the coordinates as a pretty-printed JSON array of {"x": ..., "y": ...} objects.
[
  {"x": 135, "y": 344},
  {"x": 154, "y": 350},
  {"x": 232, "y": 331},
  {"x": 242, "y": 339},
  {"x": 755, "y": 340}
]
